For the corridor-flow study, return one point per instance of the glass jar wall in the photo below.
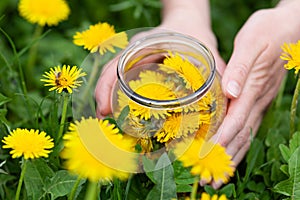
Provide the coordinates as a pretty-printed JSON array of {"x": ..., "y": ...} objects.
[{"x": 168, "y": 89}]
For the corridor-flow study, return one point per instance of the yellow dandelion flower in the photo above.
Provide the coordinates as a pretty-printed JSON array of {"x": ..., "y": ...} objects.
[
  {"x": 63, "y": 79},
  {"x": 291, "y": 53},
  {"x": 146, "y": 144},
  {"x": 30, "y": 143},
  {"x": 137, "y": 114},
  {"x": 151, "y": 91},
  {"x": 204, "y": 131},
  {"x": 101, "y": 37},
  {"x": 93, "y": 149},
  {"x": 150, "y": 85},
  {"x": 149, "y": 76},
  {"x": 178, "y": 125},
  {"x": 206, "y": 159},
  {"x": 205, "y": 196},
  {"x": 44, "y": 12},
  {"x": 191, "y": 75}
]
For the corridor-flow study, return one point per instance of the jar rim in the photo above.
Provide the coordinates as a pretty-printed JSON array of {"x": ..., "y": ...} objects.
[{"x": 158, "y": 38}]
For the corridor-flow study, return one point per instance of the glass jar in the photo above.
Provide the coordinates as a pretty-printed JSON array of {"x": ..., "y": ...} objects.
[{"x": 168, "y": 89}]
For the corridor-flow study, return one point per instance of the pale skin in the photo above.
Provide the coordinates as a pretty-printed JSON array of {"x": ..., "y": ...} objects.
[{"x": 251, "y": 78}]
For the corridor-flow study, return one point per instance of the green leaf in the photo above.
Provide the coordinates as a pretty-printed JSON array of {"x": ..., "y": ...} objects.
[
  {"x": 210, "y": 190},
  {"x": 121, "y": 118},
  {"x": 253, "y": 157},
  {"x": 139, "y": 187},
  {"x": 3, "y": 119},
  {"x": 255, "y": 187},
  {"x": 183, "y": 188},
  {"x": 228, "y": 190},
  {"x": 291, "y": 186},
  {"x": 4, "y": 178},
  {"x": 60, "y": 184},
  {"x": 276, "y": 174},
  {"x": 120, "y": 6},
  {"x": 165, "y": 187},
  {"x": 285, "y": 152},
  {"x": 37, "y": 172},
  {"x": 149, "y": 167},
  {"x": 4, "y": 99},
  {"x": 183, "y": 177},
  {"x": 181, "y": 172},
  {"x": 295, "y": 142},
  {"x": 186, "y": 181},
  {"x": 285, "y": 169}
]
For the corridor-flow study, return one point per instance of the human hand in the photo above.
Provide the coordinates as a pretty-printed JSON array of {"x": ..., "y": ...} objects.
[
  {"x": 254, "y": 73},
  {"x": 199, "y": 29}
]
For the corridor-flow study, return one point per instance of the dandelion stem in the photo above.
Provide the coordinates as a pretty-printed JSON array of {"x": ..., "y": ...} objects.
[
  {"x": 21, "y": 74},
  {"x": 74, "y": 189},
  {"x": 194, "y": 189},
  {"x": 32, "y": 54},
  {"x": 128, "y": 186},
  {"x": 294, "y": 108},
  {"x": 63, "y": 116},
  {"x": 24, "y": 166},
  {"x": 91, "y": 193},
  {"x": 89, "y": 85},
  {"x": 279, "y": 97}
]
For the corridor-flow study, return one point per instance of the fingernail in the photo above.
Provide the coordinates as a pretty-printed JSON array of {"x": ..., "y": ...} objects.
[
  {"x": 233, "y": 88},
  {"x": 202, "y": 182},
  {"x": 217, "y": 185}
]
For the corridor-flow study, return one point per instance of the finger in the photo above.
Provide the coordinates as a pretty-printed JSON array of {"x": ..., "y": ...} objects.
[
  {"x": 217, "y": 185},
  {"x": 104, "y": 88},
  {"x": 242, "y": 141},
  {"x": 220, "y": 63},
  {"x": 202, "y": 182},
  {"x": 237, "y": 114},
  {"x": 240, "y": 145},
  {"x": 236, "y": 160},
  {"x": 243, "y": 57}
]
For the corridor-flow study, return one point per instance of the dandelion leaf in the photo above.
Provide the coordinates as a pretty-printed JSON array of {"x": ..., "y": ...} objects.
[
  {"x": 294, "y": 143},
  {"x": 163, "y": 176},
  {"x": 291, "y": 186},
  {"x": 149, "y": 167},
  {"x": 37, "y": 172},
  {"x": 285, "y": 152},
  {"x": 254, "y": 157},
  {"x": 4, "y": 99},
  {"x": 183, "y": 177},
  {"x": 61, "y": 184}
]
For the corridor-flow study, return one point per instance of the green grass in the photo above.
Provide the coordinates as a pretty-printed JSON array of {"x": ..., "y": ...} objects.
[{"x": 269, "y": 171}]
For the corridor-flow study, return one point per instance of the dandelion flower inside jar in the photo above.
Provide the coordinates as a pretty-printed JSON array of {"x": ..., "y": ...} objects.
[{"x": 168, "y": 89}]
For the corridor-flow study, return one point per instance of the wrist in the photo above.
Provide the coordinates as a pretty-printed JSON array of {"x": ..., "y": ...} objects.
[{"x": 179, "y": 12}]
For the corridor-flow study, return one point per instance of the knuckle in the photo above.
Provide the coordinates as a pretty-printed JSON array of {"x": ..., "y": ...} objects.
[
  {"x": 239, "y": 122},
  {"x": 242, "y": 70},
  {"x": 243, "y": 138}
]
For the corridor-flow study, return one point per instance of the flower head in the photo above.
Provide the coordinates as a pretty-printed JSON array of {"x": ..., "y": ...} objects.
[
  {"x": 93, "y": 149},
  {"x": 178, "y": 125},
  {"x": 206, "y": 159},
  {"x": 190, "y": 74},
  {"x": 291, "y": 53},
  {"x": 101, "y": 37},
  {"x": 29, "y": 143},
  {"x": 205, "y": 196},
  {"x": 63, "y": 79},
  {"x": 44, "y": 12},
  {"x": 150, "y": 85}
]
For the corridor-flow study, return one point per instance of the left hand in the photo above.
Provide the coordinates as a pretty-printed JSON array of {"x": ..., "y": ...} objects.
[{"x": 254, "y": 74}]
